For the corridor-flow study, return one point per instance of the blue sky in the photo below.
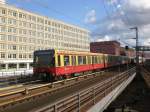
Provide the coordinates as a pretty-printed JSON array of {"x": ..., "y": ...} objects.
[
  {"x": 70, "y": 11},
  {"x": 106, "y": 19}
]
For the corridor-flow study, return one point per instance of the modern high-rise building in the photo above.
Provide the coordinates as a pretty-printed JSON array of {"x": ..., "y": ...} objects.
[{"x": 22, "y": 32}]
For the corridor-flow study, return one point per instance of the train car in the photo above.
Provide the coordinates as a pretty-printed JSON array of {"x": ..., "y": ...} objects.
[
  {"x": 59, "y": 64},
  {"x": 113, "y": 60}
]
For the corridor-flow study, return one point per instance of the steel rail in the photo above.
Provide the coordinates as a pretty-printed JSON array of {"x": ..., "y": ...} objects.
[
  {"x": 51, "y": 87},
  {"x": 76, "y": 101},
  {"x": 53, "y": 84}
]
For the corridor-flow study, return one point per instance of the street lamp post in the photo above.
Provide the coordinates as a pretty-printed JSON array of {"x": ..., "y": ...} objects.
[{"x": 137, "y": 49}]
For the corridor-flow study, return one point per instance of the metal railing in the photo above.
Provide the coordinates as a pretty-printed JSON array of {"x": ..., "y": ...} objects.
[
  {"x": 89, "y": 96},
  {"x": 55, "y": 86},
  {"x": 51, "y": 85}
]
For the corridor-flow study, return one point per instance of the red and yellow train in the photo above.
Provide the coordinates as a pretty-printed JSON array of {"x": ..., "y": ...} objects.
[{"x": 53, "y": 63}]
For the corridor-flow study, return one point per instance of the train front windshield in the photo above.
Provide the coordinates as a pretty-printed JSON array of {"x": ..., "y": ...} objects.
[{"x": 44, "y": 59}]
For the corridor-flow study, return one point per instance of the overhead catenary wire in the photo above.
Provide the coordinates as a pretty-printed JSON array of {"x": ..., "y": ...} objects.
[
  {"x": 41, "y": 4},
  {"x": 108, "y": 16},
  {"x": 128, "y": 21},
  {"x": 105, "y": 9},
  {"x": 125, "y": 17}
]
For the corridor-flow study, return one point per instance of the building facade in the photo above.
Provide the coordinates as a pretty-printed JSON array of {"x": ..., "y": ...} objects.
[
  {"x": 22, "y": 32},
  {"x": 127, "y": 52},
  {"x": 106, "y": 47}
]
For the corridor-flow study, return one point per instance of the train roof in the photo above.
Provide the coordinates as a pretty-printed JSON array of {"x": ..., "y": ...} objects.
[
  {"x": 77, "y": 52},
  {"x": 74, "y": 52}
]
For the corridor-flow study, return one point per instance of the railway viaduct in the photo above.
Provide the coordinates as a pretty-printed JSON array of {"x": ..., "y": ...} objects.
[{"x": 96, "y": 92}]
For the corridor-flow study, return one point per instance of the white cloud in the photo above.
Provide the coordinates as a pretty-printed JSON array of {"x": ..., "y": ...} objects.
[
  {"x": 147, "y": 42},
  {"x": 106, "y": 38},
  {"x": 129, "y": 13},
  {"x": 145, "y": 4},
  {"x": 137, "y": 11},
  {"x": 118, "y": 6},
  {"x": 90, "y": 17},
  {"x": 115, "y": 24}
]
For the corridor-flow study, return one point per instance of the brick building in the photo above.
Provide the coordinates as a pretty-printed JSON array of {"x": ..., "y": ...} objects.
[
  {"x": 107, "y": 47},
  {"x": 130, "y": 52},
  {"x": 147, "y": 55}
]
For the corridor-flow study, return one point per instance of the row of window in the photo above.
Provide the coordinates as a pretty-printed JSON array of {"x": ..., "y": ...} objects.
[
  {"x": 32, "y": 18},
  {"x": 80, "y": 59},
  {"x": 12, "y": 66},
  {"x": 34, "y": 33},
  {"x": 14, "y": 56},
  {"x": 38, "y": 27},
  {"x": 53, "y": 44}
]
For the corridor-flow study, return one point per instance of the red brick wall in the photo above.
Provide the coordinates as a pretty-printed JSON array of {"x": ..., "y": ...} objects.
[{"x": 107, "y": 47}]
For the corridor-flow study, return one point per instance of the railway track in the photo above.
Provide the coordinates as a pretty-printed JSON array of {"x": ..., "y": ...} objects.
[
  {"x": 146, "y": 74},
  {"x": 81, "y": 101},
  {"x": 25, "y": 93},
  {"x": 22, "y": 79},
  {"x": 13, "y": 80}
]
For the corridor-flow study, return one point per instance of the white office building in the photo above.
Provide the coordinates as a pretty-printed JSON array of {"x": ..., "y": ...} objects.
[{"x": 22, "y": 32}]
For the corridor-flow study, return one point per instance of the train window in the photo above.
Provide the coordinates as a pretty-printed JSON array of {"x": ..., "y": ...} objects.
[
  {"x": 59, "y": 60},
  {"x": 84, "y": 59},
  {"x": 98, "y": 59},
  {"x": 52, "y": 63},
  {"x": 66, "y": 61},
  {"x": 102, "y": 59},
  {"x": 112, "y": 58},
  {"x": 109, "y": 59},
  {"x": 74, "y": 60},
  {"x": 106, "y": 59},
  {"x": 42, "y": 60},
  {"x": 80, "y": 60},
  {"x": 89, "y": 59},
  {"x": 93, "y": 61}
]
